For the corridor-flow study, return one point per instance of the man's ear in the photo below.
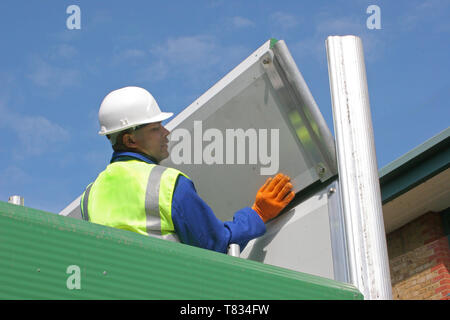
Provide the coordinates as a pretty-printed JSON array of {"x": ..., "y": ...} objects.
[{"x": 129, "y": 140}]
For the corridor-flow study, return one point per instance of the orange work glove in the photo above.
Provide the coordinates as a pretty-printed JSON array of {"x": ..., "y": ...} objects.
[{"x": 273, "y": 197}]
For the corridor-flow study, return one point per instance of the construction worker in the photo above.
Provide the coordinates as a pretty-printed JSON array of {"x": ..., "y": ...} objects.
[{"x": 135, "y": 193}]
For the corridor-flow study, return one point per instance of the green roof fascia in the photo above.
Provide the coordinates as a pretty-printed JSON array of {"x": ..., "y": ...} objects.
[
  {"x": 39, "y": 249},
  {"x": 415, "y": 167}
]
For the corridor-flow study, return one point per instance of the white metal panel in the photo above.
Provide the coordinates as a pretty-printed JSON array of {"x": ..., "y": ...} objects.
[
  {"x": 308, "y": 238},
  {"x": 266, "y": 95},
  {"x": 73, "y": 209},
  {"x": 298, "y": 240}
]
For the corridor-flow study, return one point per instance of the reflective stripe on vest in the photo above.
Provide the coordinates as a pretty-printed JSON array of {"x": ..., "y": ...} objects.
[{"x": 135, "y": 196}]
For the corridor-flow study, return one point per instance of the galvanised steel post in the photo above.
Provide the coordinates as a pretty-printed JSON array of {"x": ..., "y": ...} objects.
[
  {"x": 357, "y": 168},
  {"x": 17, "y": 200}
]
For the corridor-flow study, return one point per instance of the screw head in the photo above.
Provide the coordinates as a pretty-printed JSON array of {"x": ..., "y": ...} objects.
[{"x": 320, "y": 170}]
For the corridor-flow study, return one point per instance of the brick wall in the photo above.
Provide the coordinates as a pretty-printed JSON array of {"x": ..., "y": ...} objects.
[{"x": 419, "y": 258}]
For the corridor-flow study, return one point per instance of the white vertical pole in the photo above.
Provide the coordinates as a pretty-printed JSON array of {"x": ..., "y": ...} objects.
[
  {"x": 234, "y": 250},
  {"x": 357, "y": 167},
  {"x": 18, "y": 200}
]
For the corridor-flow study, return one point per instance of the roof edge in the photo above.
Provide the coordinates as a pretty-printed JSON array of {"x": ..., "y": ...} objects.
[
  {"x": 415, "y": 167},
  {"x": 432, "y": 146}
]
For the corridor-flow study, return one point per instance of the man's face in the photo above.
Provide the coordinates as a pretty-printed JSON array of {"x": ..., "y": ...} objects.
[{"x": 152, "y": 140}]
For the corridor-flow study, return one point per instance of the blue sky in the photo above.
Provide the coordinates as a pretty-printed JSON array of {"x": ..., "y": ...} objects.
[{"x": 53, "y": 79}]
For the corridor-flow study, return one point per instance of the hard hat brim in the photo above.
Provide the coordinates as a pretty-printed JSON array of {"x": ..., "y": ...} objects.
[{"x": 160, "y": 117}]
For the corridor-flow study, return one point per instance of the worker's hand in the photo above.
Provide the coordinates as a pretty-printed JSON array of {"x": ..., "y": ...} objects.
[{"x": 273, "y": 197}]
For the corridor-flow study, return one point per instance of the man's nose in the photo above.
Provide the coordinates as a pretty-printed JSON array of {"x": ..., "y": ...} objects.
[{"x": 166, "y": 132}]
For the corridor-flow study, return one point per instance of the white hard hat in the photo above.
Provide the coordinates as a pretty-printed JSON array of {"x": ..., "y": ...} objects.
[{"x": 128, "y": 107}]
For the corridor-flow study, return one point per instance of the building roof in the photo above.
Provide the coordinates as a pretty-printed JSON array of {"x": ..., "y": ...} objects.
[
  {"x": 44, "y": 249},
  {"x": 417, "y": 182}
]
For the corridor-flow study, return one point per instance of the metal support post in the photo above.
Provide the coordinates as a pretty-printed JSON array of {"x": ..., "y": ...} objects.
[
  {"x": 18, "y": 200},
  {"x": 357, "y": 168},
  {"x": 234, "y": 250}
]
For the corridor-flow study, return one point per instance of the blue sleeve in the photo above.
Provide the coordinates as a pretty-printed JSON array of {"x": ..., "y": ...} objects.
[{"x": 196, "y": 225}]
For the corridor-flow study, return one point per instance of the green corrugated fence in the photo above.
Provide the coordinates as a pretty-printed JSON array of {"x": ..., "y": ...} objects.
[{"x": 46, "y": 256}]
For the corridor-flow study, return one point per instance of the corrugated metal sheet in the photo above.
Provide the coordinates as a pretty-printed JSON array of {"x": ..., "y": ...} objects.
[{"x": 36, "y": 248}]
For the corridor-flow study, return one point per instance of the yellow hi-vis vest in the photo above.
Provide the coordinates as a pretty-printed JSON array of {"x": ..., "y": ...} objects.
[{"x": 133, "y": 195}]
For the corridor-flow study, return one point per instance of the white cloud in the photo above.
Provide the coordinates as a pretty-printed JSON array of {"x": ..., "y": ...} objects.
[
  {"x": 36, "y": 134},
  {"x": 44, "y": 74},
  {"x": 66, "y": 35},
  {"x": 64, "y": 51},
  {"x": 157, "y": 71},
  {"x": 195, "y": 58},
  {"x": 187, "y": 50},
  {"x": 130, "y": 57},
  {"x": 284, "y": 20},
  {"x": 424, "y": 13},
  {"x": 128, "y": 54},
  {"x": 12, "y": 176},
  {"x": 133, "y": 53},
  {"x": 188, "y": 57},
  {"x": 241, "y": 22}
]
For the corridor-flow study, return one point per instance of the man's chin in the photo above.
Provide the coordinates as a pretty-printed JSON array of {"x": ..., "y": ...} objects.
[{"x": 164, "y": 156}]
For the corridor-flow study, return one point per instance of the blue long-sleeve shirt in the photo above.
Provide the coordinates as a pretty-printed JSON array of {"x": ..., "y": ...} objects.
[{"x": 195, "y": 222}]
